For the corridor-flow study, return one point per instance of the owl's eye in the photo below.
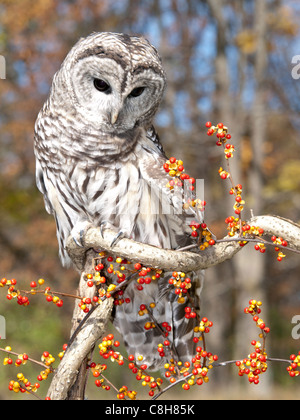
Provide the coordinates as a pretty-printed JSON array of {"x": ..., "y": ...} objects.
[
  {"x": 102, "y": 86},
  {"x": 137, "y": 92}
]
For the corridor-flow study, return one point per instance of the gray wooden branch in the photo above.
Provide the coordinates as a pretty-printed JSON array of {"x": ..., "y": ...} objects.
[
  {"x": 75, "y": 358},
  {"x": 170, "y": 260}
]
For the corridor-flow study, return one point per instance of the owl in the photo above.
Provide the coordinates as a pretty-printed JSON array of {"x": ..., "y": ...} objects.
[{"x": 99, "y": 162}]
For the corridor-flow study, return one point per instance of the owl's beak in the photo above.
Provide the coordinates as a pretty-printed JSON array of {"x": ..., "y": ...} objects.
[{"x": 114, "y": 117}]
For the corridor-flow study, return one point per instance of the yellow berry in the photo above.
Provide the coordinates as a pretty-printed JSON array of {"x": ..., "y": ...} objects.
[{"x": 16, "y": 386}]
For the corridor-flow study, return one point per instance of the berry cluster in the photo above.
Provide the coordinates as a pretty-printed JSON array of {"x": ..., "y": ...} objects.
[
  {"x": 175, "y": 169},
  {"x": 235, "y": 223},
  {"x": 137, "y": 367},
  {"x": 13, "y": 292},
  {"x": 254, "y": 310},
  {"x": 279, "y": 242},
  {"x": 293, "y": 369},
  {"x": 221, "y": 133},
  {"x": 21, "y": 296},
  {"x": 106, "y": 349},
  {"x": 256, "y": 362},
  {"x": 182, "y": 284},
  {"x": 180, "y": 179},
  {"x": 22, "y": 384},
  {"x": 201, "y": 231},
  {"x": 124, "y": 392},
  {"x": 254, "y": 365},
  {"x": 48, "y": 360},
  {"x": 21, "y": 359},
  {"x": 223, "y": 136},
  {"x": 116, "y": 272}
]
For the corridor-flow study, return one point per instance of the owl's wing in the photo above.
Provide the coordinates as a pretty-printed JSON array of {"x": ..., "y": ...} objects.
[
  {"x": 41, "y": 184},
  {"x": 154, "y": 137}
]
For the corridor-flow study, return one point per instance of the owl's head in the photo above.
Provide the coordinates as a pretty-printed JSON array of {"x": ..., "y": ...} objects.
[{"x": 115, "y": 81}]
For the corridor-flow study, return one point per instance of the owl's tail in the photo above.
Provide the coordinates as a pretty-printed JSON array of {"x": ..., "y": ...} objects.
[{"x": 153, "y": 316}]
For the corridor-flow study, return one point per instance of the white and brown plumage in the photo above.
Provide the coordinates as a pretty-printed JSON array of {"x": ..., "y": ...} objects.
[{"x": 99, "y": 161}]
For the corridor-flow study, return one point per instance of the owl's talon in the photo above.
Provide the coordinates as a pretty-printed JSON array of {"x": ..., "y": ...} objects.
[
  {"x": 117, "y": 238},
  {"x": 79, "y": 231},
  {"x": 102, "y": 224},
  {"x": 80, "y": 242}
]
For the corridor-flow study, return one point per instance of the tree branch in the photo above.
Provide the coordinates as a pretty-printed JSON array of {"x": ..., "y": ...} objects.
[
  {"x": 171, "y": 260},
  {"x": 70, "y": 377}
]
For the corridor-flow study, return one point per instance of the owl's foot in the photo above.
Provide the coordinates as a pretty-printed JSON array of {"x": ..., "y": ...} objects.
[
  {"x": 79, "y": 231},
  {"x": 119, "y": 236}
]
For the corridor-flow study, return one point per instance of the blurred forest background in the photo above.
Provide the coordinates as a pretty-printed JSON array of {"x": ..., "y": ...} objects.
[{"x": 226, "y": 60}]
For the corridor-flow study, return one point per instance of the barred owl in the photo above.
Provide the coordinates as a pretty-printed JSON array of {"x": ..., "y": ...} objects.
[{"x": 99, "y": 162}]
